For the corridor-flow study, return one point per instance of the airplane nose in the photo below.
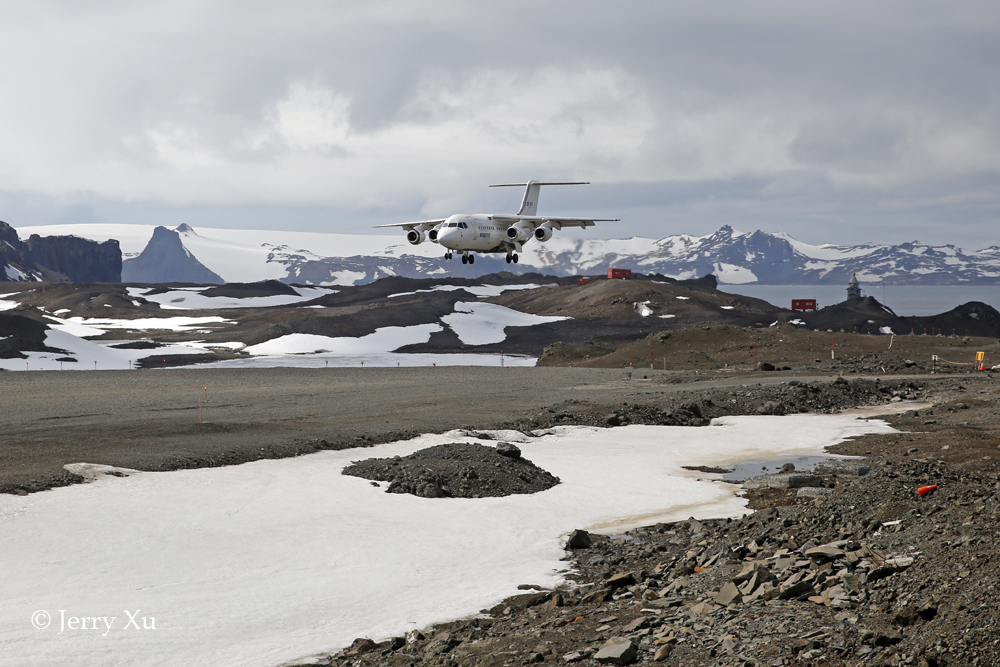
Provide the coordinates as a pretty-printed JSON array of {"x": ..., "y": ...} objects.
[{"x": 445, "y": 235}]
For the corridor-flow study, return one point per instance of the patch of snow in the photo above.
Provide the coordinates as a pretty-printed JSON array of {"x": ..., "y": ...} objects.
[
  {"x": 733, "y": 274},
  {"x": 345, "y": 278},
  {"x": 885, "y": 330},
  {"x": 188, "y": 298},
  {"x": 484, "y": 323},
  {"x": 179, "y": 323},
  {"x": 643, "y": 308},
  {"x": 6, "y": 304},
  {"x": 477, "y": 290},
  {"x": 14, "y": 274},
  {"x": 265, "y": 562},
  {"x": 726, "y": 307},
  {"x": 667, "y": 317},
  {"x": 797, "y": 322},
  {"x": 385, "y": 339},
  {"x": 684, "y": 298},
  {"x": 86, "y": 353}
]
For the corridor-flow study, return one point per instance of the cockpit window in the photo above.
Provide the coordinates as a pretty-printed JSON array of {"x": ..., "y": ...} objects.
[
  {"x": 453, "y": 224},
  {"x": 463, "y": 225}
]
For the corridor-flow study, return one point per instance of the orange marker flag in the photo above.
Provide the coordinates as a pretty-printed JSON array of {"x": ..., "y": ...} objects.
[{"x": 926, "y": 490}]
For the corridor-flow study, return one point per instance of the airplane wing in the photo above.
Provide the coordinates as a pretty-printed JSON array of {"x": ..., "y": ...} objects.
[
  {"x": 422, "y": 225},
  {"x": 555, "y": 222}
]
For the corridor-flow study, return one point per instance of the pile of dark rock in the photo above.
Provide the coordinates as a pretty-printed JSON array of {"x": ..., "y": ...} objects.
[
  {"x": 460, "y": 470},
  {"x": 869, "y": 574}
]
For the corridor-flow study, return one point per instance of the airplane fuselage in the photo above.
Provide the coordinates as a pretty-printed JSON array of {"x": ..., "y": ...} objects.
[{"x": 475, "y": 232}]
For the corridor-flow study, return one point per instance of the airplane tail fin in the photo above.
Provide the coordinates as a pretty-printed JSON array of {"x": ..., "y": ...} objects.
[{"x": 529, "y": 204}]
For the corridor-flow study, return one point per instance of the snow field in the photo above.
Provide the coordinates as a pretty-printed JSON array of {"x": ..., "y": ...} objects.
[
  {"x": 190, "y": 298},
  {"x": 269, "y": 561},
  {"x": 484, "y": 323}
]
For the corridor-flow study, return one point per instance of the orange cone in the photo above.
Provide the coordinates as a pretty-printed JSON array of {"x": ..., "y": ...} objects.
[{"x": 926, "y": 490}]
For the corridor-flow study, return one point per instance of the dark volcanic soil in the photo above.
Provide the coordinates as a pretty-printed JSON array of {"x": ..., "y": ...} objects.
[{"x": 457, "y": 470}]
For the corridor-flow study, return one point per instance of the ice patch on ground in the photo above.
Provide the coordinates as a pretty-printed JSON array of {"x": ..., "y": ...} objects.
[
  {"x": 78, "y": 325},
  {"x": 264, "y": 562},
  {"x": 86, "y": 353},
  {"x": 192, "y": 299},
  {"x": 9, "y": 304},
  {"x": 478, "y": 290},
  {"x": 484, "y": 323},
  {"x": 385, "y": 339}
]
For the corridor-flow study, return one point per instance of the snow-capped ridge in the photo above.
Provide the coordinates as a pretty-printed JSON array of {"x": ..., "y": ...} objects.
[{"x": 734, "y": 256}]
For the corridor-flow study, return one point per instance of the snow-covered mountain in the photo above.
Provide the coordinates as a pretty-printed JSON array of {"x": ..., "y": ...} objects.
[{"x": 734, "y": 257}]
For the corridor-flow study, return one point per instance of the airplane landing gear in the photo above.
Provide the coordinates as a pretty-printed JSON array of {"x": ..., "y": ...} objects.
[
  {"x": 465, "y": 259},
  {"x": 447, "y": 255},
  {"x": 468, "y": 259},
  {"x": 472, "y": 259},
  {"x": 512, "y": 257}
]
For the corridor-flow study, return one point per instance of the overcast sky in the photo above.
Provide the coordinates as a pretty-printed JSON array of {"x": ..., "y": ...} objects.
[{"x": 838, "y": 122}]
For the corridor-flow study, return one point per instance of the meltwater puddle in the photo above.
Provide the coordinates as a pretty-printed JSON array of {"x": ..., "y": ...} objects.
[{"x": 747, "y": 469}]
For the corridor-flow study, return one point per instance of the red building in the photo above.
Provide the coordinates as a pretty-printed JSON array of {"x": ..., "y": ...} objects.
[
  {"x": 623, "y": 274},
  {"x": 803, "y": 304},
  {"x": 582, "y": 280}
]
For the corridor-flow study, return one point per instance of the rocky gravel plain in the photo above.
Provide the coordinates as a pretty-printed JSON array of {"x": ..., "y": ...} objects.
[{"x": 854, "y": 568}]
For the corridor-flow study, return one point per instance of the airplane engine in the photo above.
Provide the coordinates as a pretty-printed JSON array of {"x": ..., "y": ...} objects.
[
  {"x": 432, "y": 235},
  {"x": 415, "y": 237},
  {"x": 543, "y": 233},
  {"x": 518, "y": 233}
]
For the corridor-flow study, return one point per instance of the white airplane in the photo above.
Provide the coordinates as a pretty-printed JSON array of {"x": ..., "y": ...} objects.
[{"x": 483, "y": 232}]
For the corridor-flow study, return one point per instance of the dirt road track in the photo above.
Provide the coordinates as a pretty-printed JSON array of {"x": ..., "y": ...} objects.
[{"x": 150, "y": 419}]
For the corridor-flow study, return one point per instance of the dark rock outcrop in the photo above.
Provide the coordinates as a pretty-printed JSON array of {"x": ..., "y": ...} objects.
[
  {"x": 166, "y": 260},
  {"x": 57, "y": 258},
  {"x": 80, "y": 260}
]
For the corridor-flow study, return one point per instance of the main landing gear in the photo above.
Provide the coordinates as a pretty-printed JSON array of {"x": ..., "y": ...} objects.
[
  {"x": 512, "y": 257},
  {"x": 468, "y": 259}
]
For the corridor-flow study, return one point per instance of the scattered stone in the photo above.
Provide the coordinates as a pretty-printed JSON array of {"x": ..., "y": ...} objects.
[
  {"x": 825, "y": 552},
  {"x": 621, "y": 579},
  {"x": 792, "y": 480},
  {"x": 617, "y": 651},
  {"x": 842, "y": 467},
  {"x": 728, "y": 594},
  {"x": 579, "y": 539},
  {"x": 813, "y": 492},
  {"x": 509, "y": 450}
]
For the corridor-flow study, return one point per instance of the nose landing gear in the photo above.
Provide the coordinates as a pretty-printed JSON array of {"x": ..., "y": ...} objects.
[{"x": 447, "y": 255}]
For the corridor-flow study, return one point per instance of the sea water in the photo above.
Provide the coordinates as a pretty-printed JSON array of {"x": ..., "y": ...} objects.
[{"x": 904, "y": 300}]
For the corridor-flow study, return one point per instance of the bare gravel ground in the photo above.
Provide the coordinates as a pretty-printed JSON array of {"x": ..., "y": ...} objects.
[{"x": 161, "y": 419}]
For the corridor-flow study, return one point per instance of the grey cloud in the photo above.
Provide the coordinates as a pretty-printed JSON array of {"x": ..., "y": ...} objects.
[{"x": 852, "y": 117}]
